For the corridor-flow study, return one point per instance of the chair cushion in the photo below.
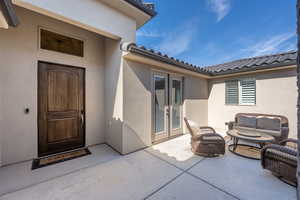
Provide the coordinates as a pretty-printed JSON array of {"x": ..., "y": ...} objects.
[
  {"x": 246, "y": 121},
  {"x": 269, "y": 123},
  {"x": 212, "y": 138}
]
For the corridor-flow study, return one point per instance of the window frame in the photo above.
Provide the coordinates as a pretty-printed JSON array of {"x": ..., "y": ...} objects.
[
  {"x": 238, "y": 88},
  {"x": 239, "y": 92},
  {"x": 63, "y": 33}
]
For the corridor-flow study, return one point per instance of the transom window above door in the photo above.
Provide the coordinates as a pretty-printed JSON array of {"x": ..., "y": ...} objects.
[
  {"x": 60, "y": 43},
  {"x": 240, "y": 92}
]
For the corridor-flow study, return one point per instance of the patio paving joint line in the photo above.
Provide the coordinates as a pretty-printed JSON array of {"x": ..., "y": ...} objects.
[
  {"x": 218, "y": 188},
  {"x": 173, "y": 179},
  {"x": 186, "y": 171},
  {"x": 163, "y": 186}
]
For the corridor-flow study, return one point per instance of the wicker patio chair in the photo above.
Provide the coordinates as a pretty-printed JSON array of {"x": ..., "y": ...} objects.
[
  {"x": 281, "y": 160},
  {"x": 205, "y": 141}
]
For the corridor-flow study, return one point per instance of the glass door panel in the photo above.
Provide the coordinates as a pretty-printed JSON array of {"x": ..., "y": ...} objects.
[
  {"x": 160, "y": 101},
  {"x": 167, "y": 106},
  {"x": 176, "y": 105}
]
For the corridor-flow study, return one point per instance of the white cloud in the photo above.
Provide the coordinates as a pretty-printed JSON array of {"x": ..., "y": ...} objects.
[
  {"x": 271, "y": 45},
  {"x": 179, "y": 40},
  {"x": 220, "y": 7},
  {"x": 151, "y": 34},
  {"x": 289, "y": 46},
  {"x": 246, "y": 47}
]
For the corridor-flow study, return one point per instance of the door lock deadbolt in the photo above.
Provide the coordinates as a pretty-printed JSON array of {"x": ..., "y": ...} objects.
[{"x": 26, "y": 110}]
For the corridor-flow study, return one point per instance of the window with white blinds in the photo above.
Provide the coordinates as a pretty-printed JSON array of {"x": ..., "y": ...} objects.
[
  {"x": 240, "y": 92},
  {"x": 247, "y": 92},
  {"x": 232, "y": 92}
]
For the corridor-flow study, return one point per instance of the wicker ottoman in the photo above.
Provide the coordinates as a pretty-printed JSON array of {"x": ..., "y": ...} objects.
[{"x": 281, "y": 160}]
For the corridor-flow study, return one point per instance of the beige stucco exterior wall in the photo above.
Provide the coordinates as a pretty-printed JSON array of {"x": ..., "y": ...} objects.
[
  {"x": 94, "y": 15},
  {"x": 137, "y": 106},
  {"x": 137, "y": 127},
  {"x": 276, "y": 93},
  {"x": 19, "y": 53},
  {"x": 196, "y": 100},
  {"x": 113, "y": 94},
  {"x": 114, "y": 90}
]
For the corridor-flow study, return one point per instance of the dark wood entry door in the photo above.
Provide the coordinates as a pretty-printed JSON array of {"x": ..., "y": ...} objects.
[{"x": 61, "y": 110}]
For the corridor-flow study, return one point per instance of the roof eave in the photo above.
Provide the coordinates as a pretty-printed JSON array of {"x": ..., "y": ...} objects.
[
  {"x": 250, "y": 69},
  {"x": 9, "y": 13},
  {"x": 135, "y": 50},
  {"x": 158, "y": 56},
  {"x": 146, "y": 10}
]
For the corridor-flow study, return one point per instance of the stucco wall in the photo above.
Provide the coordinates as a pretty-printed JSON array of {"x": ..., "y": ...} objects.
[
  {"x": 113, "y": 94},
  {"x": 138, "y": 109},
  {"x": 196, "y": 100},
  {"x": 276, "y": 93},
  {"x": 19, "y": 54},
  {"x": 92, "y": 15},
  {"x": 137, "y": 106}
]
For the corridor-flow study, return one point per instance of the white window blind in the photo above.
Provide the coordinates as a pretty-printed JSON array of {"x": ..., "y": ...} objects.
[
  {"x": 240, "y": 92},
  {"x": 247, "y": 92},
  {"x": 232, "y": 92}
]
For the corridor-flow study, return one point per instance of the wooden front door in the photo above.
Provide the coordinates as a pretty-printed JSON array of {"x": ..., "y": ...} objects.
[{"x": 61, "y": 110}]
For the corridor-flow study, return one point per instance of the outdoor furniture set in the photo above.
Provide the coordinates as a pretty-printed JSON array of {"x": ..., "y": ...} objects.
[{"x": 264, "y": 137}]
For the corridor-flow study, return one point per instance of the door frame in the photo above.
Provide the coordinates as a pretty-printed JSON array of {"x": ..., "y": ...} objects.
[
  {"x": 164, "y": 134},
  {"x": 38, "y": 104},
  {"x": 168, "y": 135},
  {"x": 176, "y": 131}
]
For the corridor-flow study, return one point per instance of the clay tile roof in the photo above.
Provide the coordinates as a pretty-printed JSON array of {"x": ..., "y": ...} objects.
[
  {"x": 255, "y": 63},
  {"x": 242, "y": 65},
  {"x": 145, "y": 7},
  {"x": 133, "y": 48}
]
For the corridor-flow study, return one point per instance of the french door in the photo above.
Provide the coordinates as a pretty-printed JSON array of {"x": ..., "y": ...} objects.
[{"x": 166, "y": 106}]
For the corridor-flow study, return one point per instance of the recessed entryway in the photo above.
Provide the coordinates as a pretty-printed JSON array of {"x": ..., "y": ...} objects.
[
  {"x": 166, "y": 106},
  {"x": 61, "y": 110}
]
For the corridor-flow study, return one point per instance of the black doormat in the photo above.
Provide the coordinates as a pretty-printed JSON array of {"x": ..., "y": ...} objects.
[{"x": 57, "y": 158}]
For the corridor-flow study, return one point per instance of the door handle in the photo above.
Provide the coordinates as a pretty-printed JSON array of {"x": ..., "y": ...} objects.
[
  {"x": 168, "y": 111},
  {"x": 82, "y": 119}
]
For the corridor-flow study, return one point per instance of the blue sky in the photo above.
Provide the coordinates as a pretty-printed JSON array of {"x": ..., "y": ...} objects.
[{"x": 207, "y": 32}]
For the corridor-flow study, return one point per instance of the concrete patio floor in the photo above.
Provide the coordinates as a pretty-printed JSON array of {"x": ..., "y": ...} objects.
[{"x": 165, "y": 171}]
